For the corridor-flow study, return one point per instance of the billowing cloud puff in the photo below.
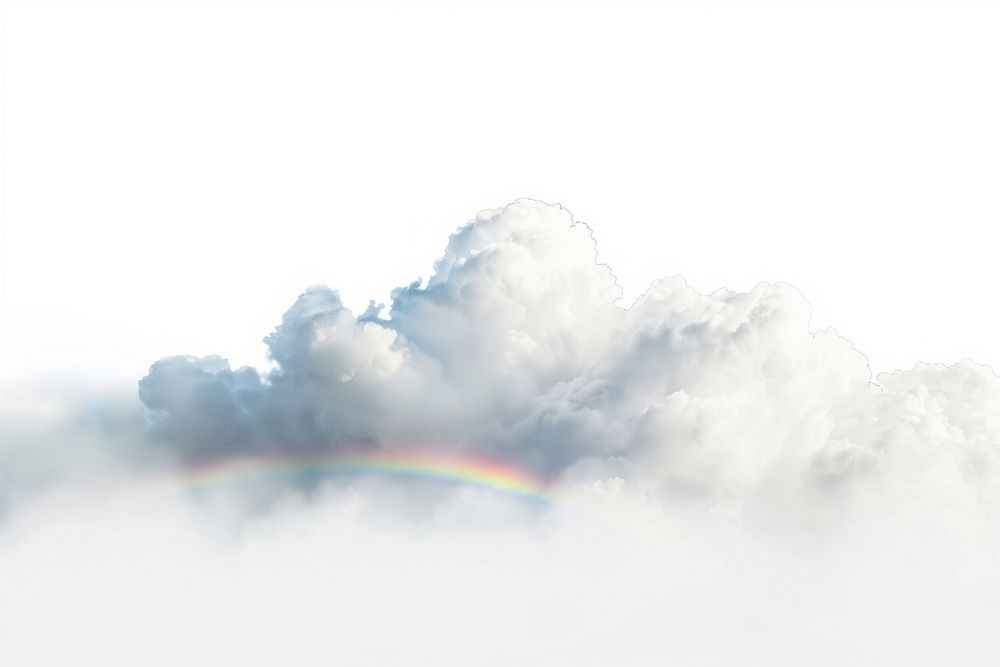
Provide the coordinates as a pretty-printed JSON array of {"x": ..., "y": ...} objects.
[
  {"x": 515, "y": 348},
  {"x": 727, "y": 486}
]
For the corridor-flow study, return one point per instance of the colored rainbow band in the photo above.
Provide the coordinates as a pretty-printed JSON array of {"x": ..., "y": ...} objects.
[{"x": 473, "y": 471}]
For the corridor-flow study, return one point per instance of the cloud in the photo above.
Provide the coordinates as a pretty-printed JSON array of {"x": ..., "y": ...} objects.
[
  {"x": 516, "y": 349},
  {"x": 62, "y": 435},
  {"x": 729, "y": 487},
  {"x": 328, "y": 582}
]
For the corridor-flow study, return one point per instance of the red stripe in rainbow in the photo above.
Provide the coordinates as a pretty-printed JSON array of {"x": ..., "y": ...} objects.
[{"x": 447, "y": 466}]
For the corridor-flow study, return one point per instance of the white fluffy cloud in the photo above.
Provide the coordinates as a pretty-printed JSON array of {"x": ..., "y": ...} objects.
[
  {"x": 515, "y": 348},
  {"x": 729, "y": 487}
]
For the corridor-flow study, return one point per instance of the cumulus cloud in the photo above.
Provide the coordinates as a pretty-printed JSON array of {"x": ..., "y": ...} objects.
[
  {"x": 515, "y": 348},
  {"x": 699, "y": 447}
]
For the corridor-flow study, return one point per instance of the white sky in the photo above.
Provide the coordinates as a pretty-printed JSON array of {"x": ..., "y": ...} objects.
[{"x": 174, "y": 178}]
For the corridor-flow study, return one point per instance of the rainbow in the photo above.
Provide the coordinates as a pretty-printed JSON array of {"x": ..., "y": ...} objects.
[{"x": 446, "y": 466}]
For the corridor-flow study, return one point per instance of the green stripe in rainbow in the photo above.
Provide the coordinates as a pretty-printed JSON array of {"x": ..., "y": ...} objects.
[{"x": 447, "y": 466}]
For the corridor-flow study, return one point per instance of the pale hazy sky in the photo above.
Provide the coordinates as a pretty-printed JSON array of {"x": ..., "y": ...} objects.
[{"x": 174, "y": 178}]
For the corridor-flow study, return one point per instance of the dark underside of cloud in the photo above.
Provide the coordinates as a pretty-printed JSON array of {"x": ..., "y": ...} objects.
[{"x": 515, "y": 350}]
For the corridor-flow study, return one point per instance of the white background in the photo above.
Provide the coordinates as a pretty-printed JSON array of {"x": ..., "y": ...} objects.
[{"x": 173, "y": 178}]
